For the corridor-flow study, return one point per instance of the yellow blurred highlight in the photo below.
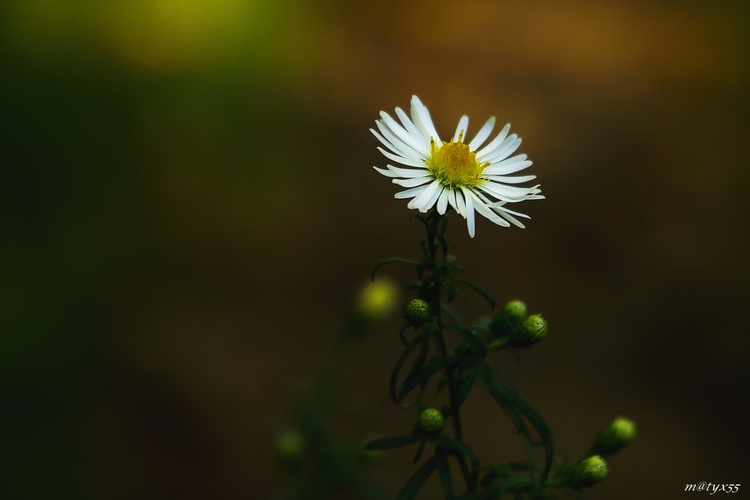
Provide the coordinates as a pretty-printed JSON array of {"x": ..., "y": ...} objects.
[
  {"x": 164, "y": 35},
  {"x": 378, "y": 299}
]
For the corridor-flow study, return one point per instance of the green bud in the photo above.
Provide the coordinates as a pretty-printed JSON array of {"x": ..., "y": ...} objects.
[
  {"x": 615, "y": 437},
  {"x": 508, "y": 319},
  {"x": 588, "y": 472},
  {"x": 431, "y": 420},
  {"x": 514, "y": 310},
  {"x": 533, "y": 329},
  {"x": 417, "y": 311},
  {"x": 291, "y": 444}
]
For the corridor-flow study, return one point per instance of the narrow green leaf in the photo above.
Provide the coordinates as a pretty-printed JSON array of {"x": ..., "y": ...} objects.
[
  {"x": 485, "y": 495},
  {"x": 452, "y": 313},
  {"x": 451, "y": 291},
  {"x": 424, "y": 348},
  {"x": 390, "y": 260},
  {"x": 397, "y": 368},
  {"x": 428, "y": 371},
  {"x": 420, "y": 219},
  {"x": 498, "y": 392},
  {"x": 541, "y": 427},
  {"x": 419, "y": 452},
  {"x": 468, "y": 382},
  {"x": 444, "y": 474},
  {"x": 392, "y": 442},
  {"x": 457, "y": 448},
  {"x": 515, "y": 484},
  {"x": 481, "y": 291},
  {"x": 443, "y": 225},
  {"x": 512, "y": 404},
  {"x": 493, "y": 472},
  {"x": 473, "y": 341},
  {"x": 415, "y": 482}
]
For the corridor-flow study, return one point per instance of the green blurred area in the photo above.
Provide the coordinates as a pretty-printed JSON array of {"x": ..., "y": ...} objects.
[{"x": 188, "y": 205}]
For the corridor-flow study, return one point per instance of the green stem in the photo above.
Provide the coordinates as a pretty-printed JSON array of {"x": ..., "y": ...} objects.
[{"x": 434, "y": 299}]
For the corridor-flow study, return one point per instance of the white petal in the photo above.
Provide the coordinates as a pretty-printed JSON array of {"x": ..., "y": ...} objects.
[
  {"x": 442, "y": 203},
  {"x": 482, "y": 206},
  {"x": 452, "y": 200},
  {"x": 483, "y": 133},
  {"x": 419, "y": 201},
  {"x": 409, "y": 193},
  {"x": 401, "y": 159},
  {"x": 463, "y": 125},
  {"x": 508, "y": 166},
  {"x": 488, "y": 152},
  {"x": 411, "y": 128},
  {"x": 505, "y": 213},
  {"x": 469, "y": 211},
  {"x": 421, "y": 118},
  {"x": 500, "y": 207},
  {"x": 394, "y": 143},
  {"x": 407, "y": 183},
  {"x": 503, "y": 151},
  {"x": 495, "y": 142},
  {"x": 385, "y": 172},
  {"x": 431, "y": 201},
  {"x": 460, "y": 204},
  {"x": 400, "y": 131},
  {"x": 507, "y": 193},
  {"x": 507, "y": 179},
  {"x": 408, "y": 172}
]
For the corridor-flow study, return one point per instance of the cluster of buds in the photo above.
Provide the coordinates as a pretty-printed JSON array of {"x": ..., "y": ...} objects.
[
  {"x": 594, "y": 468},
  {"x": 514, "y": 327}
]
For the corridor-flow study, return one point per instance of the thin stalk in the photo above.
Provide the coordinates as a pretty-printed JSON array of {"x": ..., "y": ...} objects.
[{"x": 434, "y": 299}]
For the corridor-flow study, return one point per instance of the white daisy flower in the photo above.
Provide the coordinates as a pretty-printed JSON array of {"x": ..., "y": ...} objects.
[{"x": 454, "y": 173}]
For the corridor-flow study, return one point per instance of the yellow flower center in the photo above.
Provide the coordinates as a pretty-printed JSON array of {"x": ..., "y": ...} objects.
[{"x": 454, "y": 164}]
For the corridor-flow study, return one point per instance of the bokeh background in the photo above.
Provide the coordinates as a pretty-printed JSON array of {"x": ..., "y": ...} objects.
[{"x": 188, "y": 206}]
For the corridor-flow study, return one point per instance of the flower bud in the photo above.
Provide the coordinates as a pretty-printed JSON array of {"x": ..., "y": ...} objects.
[
  {"x": 514, "y": 310},
  {"x": 417, "y": 311},
  {"x": 508, "y": 319},
  {"x": 588, "y": 472},
  {"x": 615, "y": 437},
  {"x": 431, "y": 420},
  {"x": 533, "y": 329}
]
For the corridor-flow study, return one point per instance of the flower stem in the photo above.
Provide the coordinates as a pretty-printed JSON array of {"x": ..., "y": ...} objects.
[{"x": 435, "y": 241}]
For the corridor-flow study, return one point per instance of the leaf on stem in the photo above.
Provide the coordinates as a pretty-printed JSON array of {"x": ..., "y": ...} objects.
[
  {"x": 390, "y": 260},
  {"x": 517, "y": 484},
  {"x": 457, "y": 448},
  {"x": 392, "y": 442},
  {"x": 415, "y": 482},
  {"x": 444, "y": 474},
  {"x": 468, "y": 382},
  {"x": 397, "y": 368},
  {"x": 419, "y": 452},
  {"x": 433, "y": 367},
  {"x": 481, "y": 291},
  {"x": 516, "y": 408}
]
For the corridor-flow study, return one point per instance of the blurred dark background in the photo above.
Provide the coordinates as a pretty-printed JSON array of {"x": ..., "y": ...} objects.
[{"x": 188, "y": 206}]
